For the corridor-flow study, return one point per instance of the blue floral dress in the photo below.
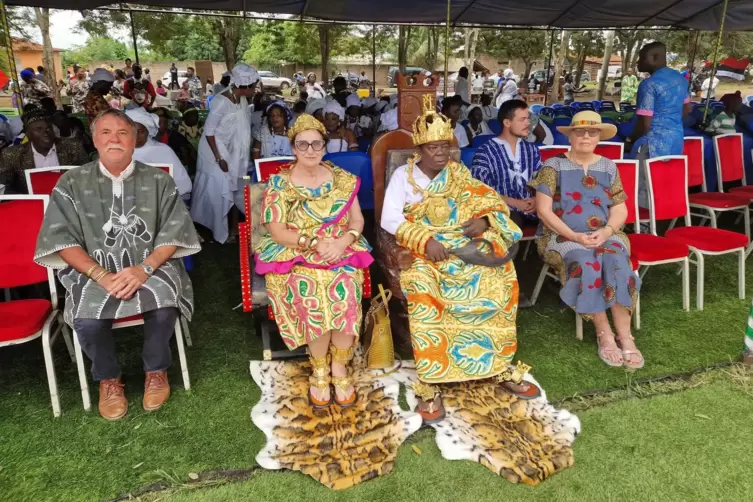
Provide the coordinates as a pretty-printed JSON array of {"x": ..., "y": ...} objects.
[{"x": 593, "y": 279}]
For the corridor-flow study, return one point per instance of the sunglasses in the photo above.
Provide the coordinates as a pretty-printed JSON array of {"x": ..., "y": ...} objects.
[
  {"x": 317, "y": 145},
  {"x": 582, "y": 132}
]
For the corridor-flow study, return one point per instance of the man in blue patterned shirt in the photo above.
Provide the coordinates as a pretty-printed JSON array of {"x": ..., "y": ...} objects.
[{"x": 508, "y": 162}]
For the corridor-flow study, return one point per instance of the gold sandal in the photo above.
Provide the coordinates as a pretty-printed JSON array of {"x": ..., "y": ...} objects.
[
  {"x": 320, "y": 379},
  {"x": 343, "y": 356}
]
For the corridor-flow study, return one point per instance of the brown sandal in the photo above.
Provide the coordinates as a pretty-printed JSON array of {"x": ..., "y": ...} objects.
[
  {"x": 514, "y": 376},
  {"x": 343, "y": 383},
  {"x": 320, "y": 379},
  {"x": 430, "y": 405},
  {"x": 628, "y": 352}
]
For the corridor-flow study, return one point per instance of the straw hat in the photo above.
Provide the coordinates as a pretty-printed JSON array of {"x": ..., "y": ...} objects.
[{"x": 589, "y": 120}]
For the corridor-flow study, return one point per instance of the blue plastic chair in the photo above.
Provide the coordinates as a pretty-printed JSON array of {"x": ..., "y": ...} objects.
[
  {"x": 563, "y": 112},
  {"x": 748, "y": 99},
  {"x": 575, "y": 106},
  {"x": 607, "y": 106},
  {"x": 596, "y": 104},
  {"x": 536, "y": 109},
  {"x": 587, "y": 106},
  {"x": 495, "y": 126},
  {"x": 466, "y": 156},
  {"x": 364, "y": 144},
  {"x": 547, "y": 111},
  {"x": 557, "y": 105},
  {"x": 464, "y": 122},
  {"x": 359, "y": 164},
  {"x": 561, "y": 122},
  {"x": 480, "y": 140}
]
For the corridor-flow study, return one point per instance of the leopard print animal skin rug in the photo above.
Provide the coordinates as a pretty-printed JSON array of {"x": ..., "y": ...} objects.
[{"x": 523, "y": 441}]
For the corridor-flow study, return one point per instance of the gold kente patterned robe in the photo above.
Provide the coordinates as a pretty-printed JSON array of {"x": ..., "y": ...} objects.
[{"x": 462, "y": 316}]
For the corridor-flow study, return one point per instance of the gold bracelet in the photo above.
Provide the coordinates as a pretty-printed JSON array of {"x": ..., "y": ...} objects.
[
  {"x": 313, "y": 243},
  {"x": 610, "y": 227},
  {"x": 91, "y": 269},
  {"x": 355, "y": 233},
  {"x": 100, "y": 276},
  {"x": 302, "y": 241}
]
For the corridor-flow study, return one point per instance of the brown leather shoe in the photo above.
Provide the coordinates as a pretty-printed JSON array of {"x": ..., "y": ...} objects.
[
  {"x": 113, "y": 404},
  {"x": 156, "y": 390}
]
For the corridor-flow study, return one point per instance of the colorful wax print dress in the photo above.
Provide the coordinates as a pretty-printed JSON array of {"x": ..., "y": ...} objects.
[
  {"x": 593, "y": 279},
  {"x": 462, "y": 316},
  {"x": 310, "y": 297}
]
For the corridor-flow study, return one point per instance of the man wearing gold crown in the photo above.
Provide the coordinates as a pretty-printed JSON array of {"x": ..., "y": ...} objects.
[{"x": 461, "y": 287}]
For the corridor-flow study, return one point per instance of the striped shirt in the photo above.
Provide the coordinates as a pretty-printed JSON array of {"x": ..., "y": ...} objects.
[
  {"x": 508, "y": 174},
  {"x": 722, "y": 124}
]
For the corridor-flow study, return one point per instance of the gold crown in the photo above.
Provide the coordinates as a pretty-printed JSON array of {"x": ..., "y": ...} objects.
[
  {"x": 431, "y": 126},
  {"x": 306, "y": 122}
]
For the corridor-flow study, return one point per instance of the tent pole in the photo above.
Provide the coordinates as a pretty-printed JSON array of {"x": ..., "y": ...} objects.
[
  {"x": 373, "y": 60},
  {"x": 716, "y": 61},
  {"x": 133, "y": 35},
  {"x": 548, "y": 68},
  {"x": 11, "y": 56},
  {"x": 447, "y": 50},
  {"x": 692, "y": 61}
]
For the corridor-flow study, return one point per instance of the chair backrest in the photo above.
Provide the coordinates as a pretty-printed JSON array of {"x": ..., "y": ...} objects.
[
  {"x": 20, "y": 220},
  {"x": 466, "y": 156},
  {"x": 42, "y": 180},
  {"x": 547, "y": 152},
  {"x": 729, "y": 158},
  {"x": 628, "y": 170},
  {"x": 547, "y": 111},
  {"x": 667, "y": 188},
  {"x": 265, "y": 168},
  {"x": 610, "y": 149},
  {"x": 481, "y": 139},
  {"x": 693, "y": 150},
  {"x": 359, "y": 164},
  {"x": 536, "y": 109},
  {"x": 168, "y": 168},
  {"x": 607, "y": 106},
  {"x": 495, "y": 126}
]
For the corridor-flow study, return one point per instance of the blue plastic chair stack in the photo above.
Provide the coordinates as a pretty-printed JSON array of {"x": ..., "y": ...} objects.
[
  {"x": 627, "y": 107},
  {"x": 359, "y": 164},
  {"x": 587, "y": 106},
  {"x": 547, "y": 111},
  {"x": 466, "y": 156},
  {"x": 596, "y": 104},
  {"x": 480, "y": 140},
  {"x": 557, "y": 105},
  {"x": 495, "y": 126},
  {"x": 575, "y": 106},
  {"x": 607, "y": 106},
  {"x": 563, "y": 112},
  {"x": 536, "y": 109}
]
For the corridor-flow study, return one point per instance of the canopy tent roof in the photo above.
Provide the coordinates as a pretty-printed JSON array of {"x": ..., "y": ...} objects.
[{"x": 571, "y": 14}]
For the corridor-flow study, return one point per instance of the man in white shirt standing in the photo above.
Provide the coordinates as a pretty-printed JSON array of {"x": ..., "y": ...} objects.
[{"x": 461, "y": 86}]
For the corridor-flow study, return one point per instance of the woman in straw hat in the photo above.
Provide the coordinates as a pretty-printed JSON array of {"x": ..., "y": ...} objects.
[
  {"x": 581, "y": 205},
  {"x": 313, "y": 261}
]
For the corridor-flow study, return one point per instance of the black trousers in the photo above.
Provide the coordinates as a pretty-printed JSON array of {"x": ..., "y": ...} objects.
[{"x": 98, "y": 342}]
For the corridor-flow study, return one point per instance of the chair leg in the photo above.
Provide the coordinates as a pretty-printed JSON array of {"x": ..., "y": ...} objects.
[
  {"x": 81, "y": 373},
  {"x": 50, "y": 367},
  {"x": 741, "y": 275},
  {"x": 637, "y": 313},
  {"x": 686, "y": 285},
  {"x": 67, "y": 337},
  {"x": 528, "y": 248},
  {"x": 642, "y": 273},
  {"x": 539, "y": 284},
  {"x": 699, "y": 280},
  {"x": 186, "y": 333},
  {"x": 578, "y": 327},
  {"x": 746, "y": 216},
  {"x": 672, "y": 223},
  {"x": 712, "y": 215},
  {"x": 182, "y": 355}
]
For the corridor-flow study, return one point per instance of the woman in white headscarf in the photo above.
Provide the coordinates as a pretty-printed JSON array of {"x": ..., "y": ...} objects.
[
  {"x": 507, "y": 90},
  {"x": 153, "y": 152},
  {"x": 476, "y": 125},
  {"x": 224, "y": 152},
  {"x": 339, "y": 138},
  {"x": 271, "y": 139},
  {"x": 315, "y": 108},
  {"x": 313, "y": 88}
]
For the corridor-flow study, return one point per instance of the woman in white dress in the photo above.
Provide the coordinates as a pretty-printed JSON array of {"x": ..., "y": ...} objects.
[
  {"x": 507, "y": 90},
  {"x": 271, "y": 139},
  {"x": 313, "y": 88},
  {"x": 339, "y": 138},
  {"x": 224, "y": 152}
]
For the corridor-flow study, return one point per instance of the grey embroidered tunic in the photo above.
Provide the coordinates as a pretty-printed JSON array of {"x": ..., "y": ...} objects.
[{"x": 118, "y": 222}]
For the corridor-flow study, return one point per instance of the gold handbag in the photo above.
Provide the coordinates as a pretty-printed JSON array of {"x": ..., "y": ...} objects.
[{"x": 381, "y": 351}]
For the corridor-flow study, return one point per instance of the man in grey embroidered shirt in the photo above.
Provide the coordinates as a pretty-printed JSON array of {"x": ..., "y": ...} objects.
[{"x": 116, "y": 229}]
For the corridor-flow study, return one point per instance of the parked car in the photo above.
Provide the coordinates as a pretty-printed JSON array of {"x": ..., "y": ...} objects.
[
  {"x": 182, "y": 77},
  {"x": 584, "y": 76},
  {"x": 270, "y": 80}
]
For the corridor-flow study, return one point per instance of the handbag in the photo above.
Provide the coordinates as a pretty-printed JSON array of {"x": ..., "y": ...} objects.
[{"x": 381, "y": 351}]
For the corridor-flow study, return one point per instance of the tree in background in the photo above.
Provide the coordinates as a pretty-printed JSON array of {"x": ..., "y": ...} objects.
[
  {"x": 586, "y": 44},
  {"x": 469, "y": 47},
  {"x": 97, "y": 49},
  {"x": 403, "y": 43},
  {"x": 527, "y": 46}
]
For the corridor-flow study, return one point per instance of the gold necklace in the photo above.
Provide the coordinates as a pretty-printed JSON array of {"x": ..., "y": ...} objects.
[
  {"x": 319, "y": 203},
  {"x": 437, "y": 206}
]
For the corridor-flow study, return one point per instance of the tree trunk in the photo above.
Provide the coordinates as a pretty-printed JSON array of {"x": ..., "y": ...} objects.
[
  {"x": 605, "y": 64},
  {"x": 403, "y": 41},
  {"x": 324, "y": 45},
  {"x": 50, "y": 77},
  {"x": 526, "y": 76},
  {"x": 472, "y": 52},
  {"x": 579, "y": 65},
  {"x": 558, "y": 66},
  {"x": 434, "y": 34},
  {"x": 229, "y": 31}
]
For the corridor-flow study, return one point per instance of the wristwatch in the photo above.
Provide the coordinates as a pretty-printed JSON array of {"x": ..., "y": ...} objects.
[{"x": 149, "y": 270}]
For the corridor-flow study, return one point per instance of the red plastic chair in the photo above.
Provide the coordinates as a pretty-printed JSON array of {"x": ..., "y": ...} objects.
[
  {"x": 265, "y": 168},
  {"x": 610, "y": 150},
  {"x": 730, "y": 167},
  {"x": 547, "y": 152},
  {"x": 22, "y": 321},
  {"x": 711, "y": 204},
  {"x": 42, "y": 180},
  {"x": 649, "y": 249},
  {"x": 253, "y": 287},
  {"x": 667, "y": 186}
]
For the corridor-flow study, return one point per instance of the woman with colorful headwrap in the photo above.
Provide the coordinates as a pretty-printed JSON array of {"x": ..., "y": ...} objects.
[
  {"x": 271, "y": 138},
  {"x": 224, "y": 152},
  {"x": 313, "y": 261},
  {"x": 339, "y": 138}
]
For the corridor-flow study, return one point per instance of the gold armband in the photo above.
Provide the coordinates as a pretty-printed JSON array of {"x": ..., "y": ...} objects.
[{"x": 413, "y": 237}]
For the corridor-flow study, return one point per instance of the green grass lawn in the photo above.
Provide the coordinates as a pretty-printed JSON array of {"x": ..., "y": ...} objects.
[{"x": 643, "y": 448}]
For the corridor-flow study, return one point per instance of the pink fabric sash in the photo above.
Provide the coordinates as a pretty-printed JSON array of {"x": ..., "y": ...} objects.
[{"x": 359, "y": 259}]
